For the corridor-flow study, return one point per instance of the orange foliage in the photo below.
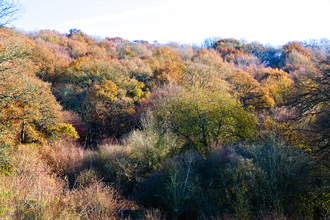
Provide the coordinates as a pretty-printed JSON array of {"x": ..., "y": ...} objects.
[
  {"x": 249, "y": 90},
  {"x": 170, "y": 65},
  {"x": 228, "y": 53},
  {"x": 294, "y": 46},
  {"x": 115, "y": 40},
  {"x": 48, "y": 63},
  {"x": 106, "y": 92}
]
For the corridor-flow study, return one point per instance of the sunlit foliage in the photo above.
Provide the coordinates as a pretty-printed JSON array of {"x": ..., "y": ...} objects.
[
  {"x": 170, "y": 66},
  {"x": 28, "y": 108},
  {"x": 203, "y": 118},
  {"x": 232, "y": 130}
]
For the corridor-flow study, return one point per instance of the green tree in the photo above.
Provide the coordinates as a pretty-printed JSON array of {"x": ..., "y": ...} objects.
[{"x": 202, "y": 118}]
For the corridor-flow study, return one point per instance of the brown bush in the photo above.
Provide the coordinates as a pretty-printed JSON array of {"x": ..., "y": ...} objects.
[
  {"x": 64, "y": 159},
  {"x": 33, "y": 192}
]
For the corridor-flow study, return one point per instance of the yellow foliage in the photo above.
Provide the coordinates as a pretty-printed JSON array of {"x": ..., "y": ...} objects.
[
  {"x": 166, "y": 53},
  {"x": 129, "y": 53},
  {"x": 287, "y": 131},
  {"x": 66, "y": 130},
  {"x": 276, "y": 82},
  {"x": 76, "y": 64},
  {"x": 135, "y": 89},
  {"x": 107, "y": 91}
]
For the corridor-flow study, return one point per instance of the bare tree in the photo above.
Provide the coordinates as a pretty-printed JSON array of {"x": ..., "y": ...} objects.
[
  {"x": 311, "y": 99},
  {"x": 9, "y": 11}
]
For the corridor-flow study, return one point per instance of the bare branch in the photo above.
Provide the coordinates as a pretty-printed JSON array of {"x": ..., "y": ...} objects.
[{"x": 10, "y": 10}]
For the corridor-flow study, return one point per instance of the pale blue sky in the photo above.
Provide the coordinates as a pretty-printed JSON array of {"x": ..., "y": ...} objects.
[{"x": 185, "y": 21}]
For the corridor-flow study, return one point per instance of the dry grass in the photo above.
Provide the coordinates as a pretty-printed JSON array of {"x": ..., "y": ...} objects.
[
  {"x": 64, "y": 158},
  {"x": 33, "y": 191},
  {"x": 96, "y": 201}
]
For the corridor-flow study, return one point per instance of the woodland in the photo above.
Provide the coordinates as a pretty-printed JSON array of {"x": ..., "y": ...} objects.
[{"x": 109, "y": 128}]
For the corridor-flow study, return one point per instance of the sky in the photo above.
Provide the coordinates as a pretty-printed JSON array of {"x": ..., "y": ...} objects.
[{"x": 184, "y": 21}]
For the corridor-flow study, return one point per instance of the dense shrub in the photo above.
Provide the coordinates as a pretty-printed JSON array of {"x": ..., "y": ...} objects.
[
  {"x": 143, "y": 152},
  {"x": 239, "y": 181}
]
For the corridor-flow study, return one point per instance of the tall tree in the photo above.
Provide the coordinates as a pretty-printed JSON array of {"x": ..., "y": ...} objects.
[
  {"x": 9, "y": 11},
  {"x": 202, "y": 118},
  {"x": 27, "y": 107},
  {"x": 311, "y": 101}
]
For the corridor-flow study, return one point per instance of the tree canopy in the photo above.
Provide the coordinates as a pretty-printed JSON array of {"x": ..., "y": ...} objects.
[{"x": 202, "y": 118}]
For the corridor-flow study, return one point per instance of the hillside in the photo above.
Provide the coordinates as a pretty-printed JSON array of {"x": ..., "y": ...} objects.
[{"x": 115, "y": 129}]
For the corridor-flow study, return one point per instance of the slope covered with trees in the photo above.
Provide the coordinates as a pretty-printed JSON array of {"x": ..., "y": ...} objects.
[{"x": 110, "y": 128}]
